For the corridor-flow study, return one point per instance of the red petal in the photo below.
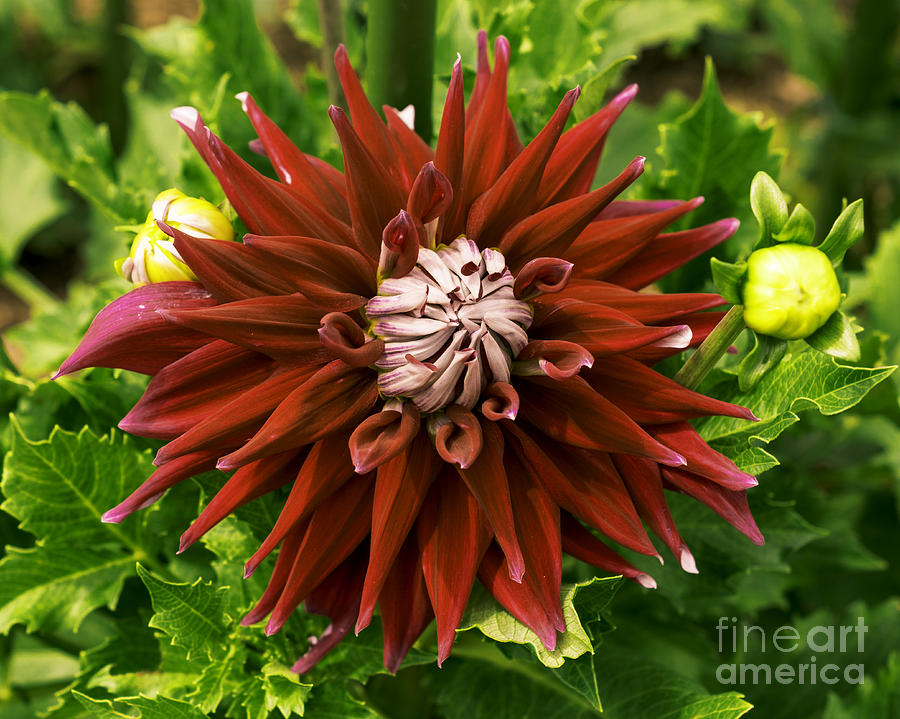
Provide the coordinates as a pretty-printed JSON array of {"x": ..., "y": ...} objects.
[
  {"x": 453, "y": 536},
  {"x": 511, "y": 197},
  {"x": 305, "y": 259},
  {"x": 537, "y": 525},
  {"x": 129, "y": 334},
  {"x": 334, "y": 397},
  {"x": 486, "y": 480},
  {"x": 382, "y": 436},
  {"x": 291, "y": 164},
  {"x": 162, "y": 479},
  {"x": 282, "y": 327},
  {"x": 602, "y": 330},
  {"x": 485, "y": 141},
  {"x": 501, "y": 401},
  {"x": 651, "y": 398},
  {"x": 701, "y": 458},
  {"x": 405, "y": 607},
  {"x": 193, "y": 388},
  {"x": 267, "y": 207},
  {"x": 345, "y": 340},
  {"x": 570, "y": 411},
  {"x": 326, "y": 468},
  {"x": 448, "y": 157},
  {"x": 572, "y": 166},
  {"x": 581, "y": 544},
  {"x": 240, "y": 418},
  {"x": 400, "y": 489},
  {"x": 373, "y": 195},
  {"x": 460, "y": 440},
  {"x": 366, "y": 122},
  {"x": 606, "y": 245},
  {"x": 245, "y": 485},
  {"x": 335, "y": 529},
  {"x": 730, "y": 505},
  {"x": 670, "y": 251},
  {"x": 520, "y": 600},
  {"x": 587, "y": 485},
  {"x": 230, "y": 270},
  {"x": 646, "y": 489},
  {"x": 283, "y": 564},
  {"x": 338, "y": 598},
  {"x": 645, "y": 307},
  {"x": 553, "y": 229}
]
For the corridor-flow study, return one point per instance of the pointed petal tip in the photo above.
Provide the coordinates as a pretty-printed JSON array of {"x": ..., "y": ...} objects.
[
  {"x": 646, "y": 581},
  {"x": 516, "y": 570},
  {"x": 186, "y": 116},
  {"x": 249, "y": 568},
  {"x": 687, "y": 561},
  {"x": 660, "y": 559},
  {"x": 362, "y": 623},
  {"x": 113, "y": 516},
  {"x": 273, "y": 626},
  {"x": 340, "y": 53}
]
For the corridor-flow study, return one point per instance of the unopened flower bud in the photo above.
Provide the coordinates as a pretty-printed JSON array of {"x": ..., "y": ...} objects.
[
  {"x": 790, "y": 291},
  {"x": 153, "y": 257}
]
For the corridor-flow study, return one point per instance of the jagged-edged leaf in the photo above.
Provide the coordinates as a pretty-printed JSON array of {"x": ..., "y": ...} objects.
[
  {"x": 804, "y": 379},
  {"x": 585, "y": 599},
  {"x": 191, "y": 615},
  {"x": 59, "y": 487},
  {"x": 73, "y": 147},
  {"x": 715, "y": 152},
  {"x": 158, "y": 707},
  {"x": 57, "y": 587}
]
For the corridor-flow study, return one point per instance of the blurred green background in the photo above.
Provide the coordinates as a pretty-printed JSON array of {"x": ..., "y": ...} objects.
[{"x": 813, "y": 89}]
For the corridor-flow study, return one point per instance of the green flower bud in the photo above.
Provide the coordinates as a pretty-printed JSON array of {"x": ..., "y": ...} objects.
[
  {"x": 790, "y": 291},
  {"x": 153, "y": 257}
]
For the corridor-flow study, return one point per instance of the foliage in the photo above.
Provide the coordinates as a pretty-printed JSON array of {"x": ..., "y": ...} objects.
[{"x": 104, "y": 620}]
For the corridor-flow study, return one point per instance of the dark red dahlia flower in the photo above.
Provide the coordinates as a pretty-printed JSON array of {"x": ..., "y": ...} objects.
[{"x": 444, "y": 353}]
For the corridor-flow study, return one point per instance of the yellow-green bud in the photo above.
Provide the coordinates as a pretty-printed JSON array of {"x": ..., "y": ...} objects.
[
  {"x": 153, "y": 257},
  {"x": 790, "y": 291}
]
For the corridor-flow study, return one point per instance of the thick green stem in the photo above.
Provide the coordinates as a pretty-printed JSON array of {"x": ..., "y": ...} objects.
[
  {"x": 714, "y": 346},
  {"x": 32, "y": 292},
  {"x": 400, "y": 49}
]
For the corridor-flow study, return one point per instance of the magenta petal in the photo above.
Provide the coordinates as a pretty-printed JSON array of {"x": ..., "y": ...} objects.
[{"x": 130, "y": 334}]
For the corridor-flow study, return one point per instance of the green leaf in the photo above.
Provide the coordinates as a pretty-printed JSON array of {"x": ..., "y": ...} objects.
[
  {"x": 583, "y": 599},
  {"x": 159, "y": 707},
  {"x": 72, "y": 146},
  {"x": 768, "y": 205},
  {"x": 58, "y": 488},
  {"x": 29, "y": 200},
  {"x": 836, "y": 338},
  {"x": 714, "y": 152},
  {"x": 877, "y": 698},
  {"x": 767, "y": 352},
  {"x": 848, "y": 228},
  {"x": 284, "y": 690},
  {"x": 728, "y": 278},
  {"x": 191, "y": 615},
  {"x": 800, "y": 227},
  {"x": 634, "y": 687},
  {"x": 220, "y": 679},
  {"x": 804, "y": 379}
]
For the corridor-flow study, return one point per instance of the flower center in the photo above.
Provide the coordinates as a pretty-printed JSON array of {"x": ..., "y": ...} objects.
[{"x": 450, "y": 327}]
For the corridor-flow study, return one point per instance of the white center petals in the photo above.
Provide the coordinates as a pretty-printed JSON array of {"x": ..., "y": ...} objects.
[{"x": 450, "y": 327}]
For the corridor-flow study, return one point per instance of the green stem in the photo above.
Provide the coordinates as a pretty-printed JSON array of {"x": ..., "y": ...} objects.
[
  {"x": 400, "y": 49},
  {"x": 29, "y": 290},
  {"x": 331, "y": 20},
  {"x": 714, "y": 346}
]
